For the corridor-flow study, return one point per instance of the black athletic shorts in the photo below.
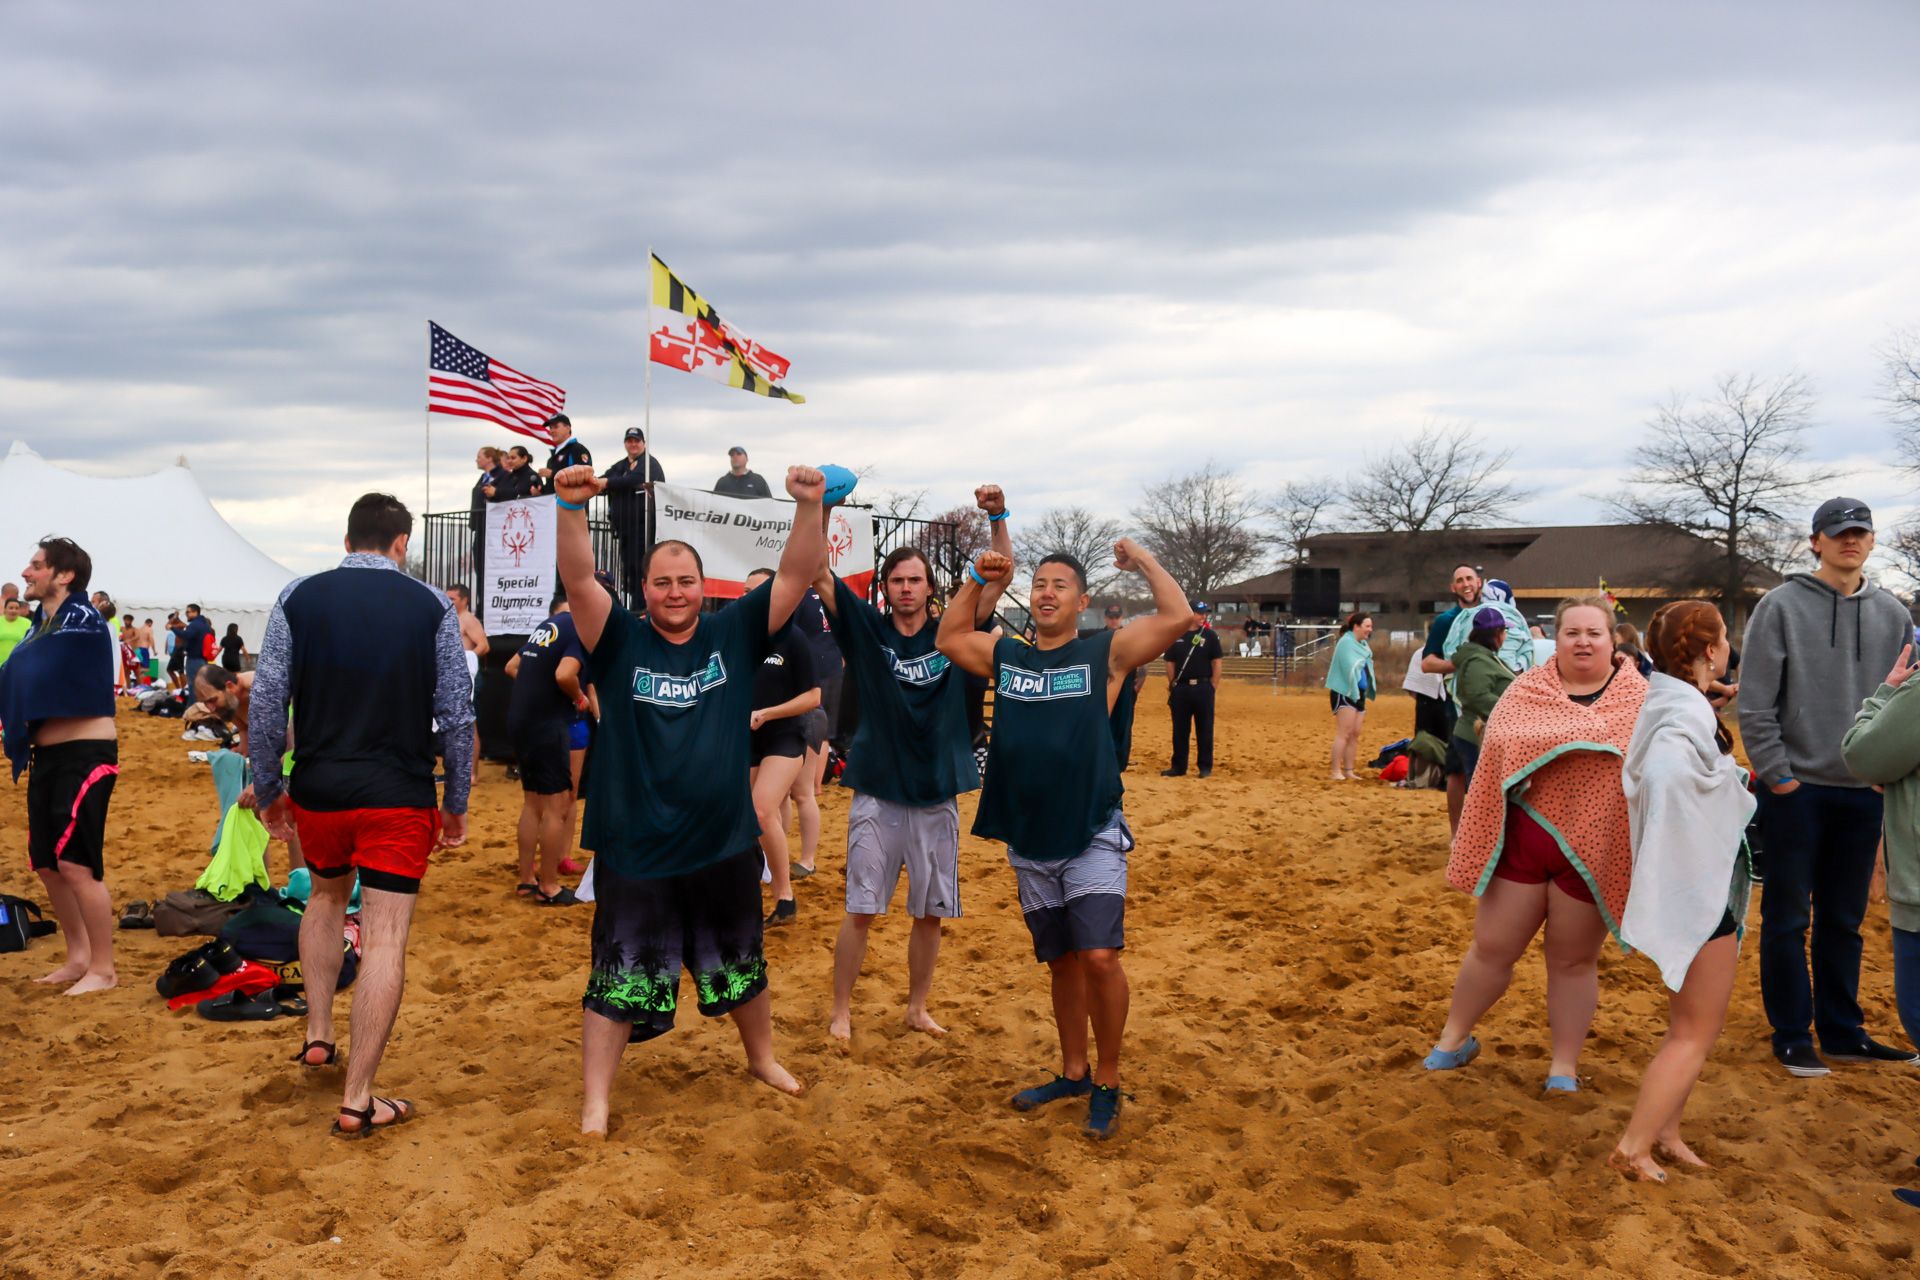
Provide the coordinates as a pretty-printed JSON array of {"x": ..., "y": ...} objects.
[
  {"x": 1335, "y": 701},
  {"x": 777, "y": 738},
  {"x": 646, "y": 931},
  {"x": 540, "y": 747},
  {"x": 1462, "y": 757},
  {"x": 176, "y": 661},
  {"x": 1726, "y": 926},
  {"x": 68, "y": 787}
]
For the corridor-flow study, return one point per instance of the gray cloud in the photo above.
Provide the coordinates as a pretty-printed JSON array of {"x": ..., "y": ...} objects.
[{"x": 1088, "y": 243}]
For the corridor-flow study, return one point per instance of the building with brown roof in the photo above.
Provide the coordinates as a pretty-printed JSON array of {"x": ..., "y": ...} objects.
[{"x": 1403, "y": 578}]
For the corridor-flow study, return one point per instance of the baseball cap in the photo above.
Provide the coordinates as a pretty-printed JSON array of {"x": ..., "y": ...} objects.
[
  {"x": 1491, "y": 618},
  {"x": 1838, "y": 515},
  {"x": 1200, "y": 606},
  {"x": 557, "y": 419},
  {"x": 734, "y": 450},
  {"x": 635, "y": 433},
  {"x": 1113, "y": 611}
]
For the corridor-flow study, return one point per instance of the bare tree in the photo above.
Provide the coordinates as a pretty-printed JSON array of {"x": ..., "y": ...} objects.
[
  {"x": 1077, "y": 531},
  {"x": 1443, "y": 480},
  {"x": 1302, "y": 509},
  {"x": 971, "y": 537},
  {"x": 1727, "y": 470},
  {"x": 1900, "y": 389},
  {"x": 1200, "y": 526}
]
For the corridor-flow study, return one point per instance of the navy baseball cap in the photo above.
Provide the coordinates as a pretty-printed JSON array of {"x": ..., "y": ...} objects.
[
  {"x": 557, "y": 420},
  {"x": 1201, "y": 606},
  {"x": 1839, "y": 515},
  {"x": 635, "y": 433}
]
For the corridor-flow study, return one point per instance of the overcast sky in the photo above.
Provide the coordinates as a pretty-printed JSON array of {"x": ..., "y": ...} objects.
[{"x": 1068, "y": 248}]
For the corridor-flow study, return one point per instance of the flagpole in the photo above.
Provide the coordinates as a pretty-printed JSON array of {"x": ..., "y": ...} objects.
[
  {"x": 646, "y": 354},
  {"x": 426, "y": 497}
]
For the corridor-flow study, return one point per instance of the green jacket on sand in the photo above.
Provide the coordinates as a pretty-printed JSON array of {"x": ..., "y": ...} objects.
[
  {"x": 1883, "y": 749},
  {"x": 1479, "y": 678}
]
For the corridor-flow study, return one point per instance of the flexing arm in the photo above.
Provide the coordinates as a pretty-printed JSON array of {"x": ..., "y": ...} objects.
[
  {"x": 993, "y": 502},
  {"x": 1146, "y": 637},
  {"x": 589, "y": 600},
  {"x": 806, "y": 546},
  {"x": 959, "y": 638}
]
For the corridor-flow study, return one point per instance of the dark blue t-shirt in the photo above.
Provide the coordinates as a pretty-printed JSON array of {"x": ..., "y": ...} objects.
[
  {"x": 913, "y": 745},
  {"x": 670, "y": 792},
  {"x": 536, "y": 696},
  {"x": 1053, "y": 779}
]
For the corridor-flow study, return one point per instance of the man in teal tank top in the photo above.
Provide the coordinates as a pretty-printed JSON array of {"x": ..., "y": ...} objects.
[
  {"x": 1053, "y": 791},
  {"x": 911, "y": 756}
]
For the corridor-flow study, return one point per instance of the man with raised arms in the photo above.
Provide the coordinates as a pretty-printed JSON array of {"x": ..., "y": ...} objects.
[
  {"x": 1053, "y": 794},
  {"x": 911, "y": 755},
  {"x": 670, "y": 817}
]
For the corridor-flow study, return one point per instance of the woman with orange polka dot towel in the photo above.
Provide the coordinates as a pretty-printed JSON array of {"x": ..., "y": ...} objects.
[{"x": 1543, "y": 837}]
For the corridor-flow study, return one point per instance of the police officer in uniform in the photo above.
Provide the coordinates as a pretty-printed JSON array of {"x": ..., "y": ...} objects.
[
  {"x": 630, "y": 507},
  {"x": 1193, "y": 673},
  {"x": 568, "y": 451}
]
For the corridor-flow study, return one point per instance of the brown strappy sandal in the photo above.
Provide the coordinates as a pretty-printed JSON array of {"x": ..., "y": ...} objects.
[{"x": 402, "y": 1112}]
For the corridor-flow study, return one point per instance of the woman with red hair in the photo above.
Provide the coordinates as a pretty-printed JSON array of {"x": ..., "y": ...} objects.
[{"x": 1688, "y": 806}]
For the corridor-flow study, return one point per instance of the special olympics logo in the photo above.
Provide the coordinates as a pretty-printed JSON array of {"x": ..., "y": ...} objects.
[
  {"x": 839, "y": 538},
  {"x": 516, "y": 534}
]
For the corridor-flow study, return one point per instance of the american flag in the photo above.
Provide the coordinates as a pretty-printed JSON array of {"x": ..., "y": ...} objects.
[{"x": 465, "y": 382}]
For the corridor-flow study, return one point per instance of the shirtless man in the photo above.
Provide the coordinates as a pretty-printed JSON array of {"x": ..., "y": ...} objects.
[
  {"x": 56, "y": 697},
  {"x": 473, "y": 638}
]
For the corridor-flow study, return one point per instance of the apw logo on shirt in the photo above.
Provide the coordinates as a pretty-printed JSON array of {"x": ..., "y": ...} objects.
[
  {"x": 1044, "y": 686},
  {"x": 923, "y": 670},
  {"x": 664, "y": 689}
]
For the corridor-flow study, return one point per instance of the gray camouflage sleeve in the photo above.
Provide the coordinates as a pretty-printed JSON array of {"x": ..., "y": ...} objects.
[
  {"x": 267, "y": 705},
  {"x": 453, "y": 708}
]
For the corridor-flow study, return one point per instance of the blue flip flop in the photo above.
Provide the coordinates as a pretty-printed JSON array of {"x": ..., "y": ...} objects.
[
  {"x": 1452, "y": 1059},
  {"x": 1562, "y": 1084}
]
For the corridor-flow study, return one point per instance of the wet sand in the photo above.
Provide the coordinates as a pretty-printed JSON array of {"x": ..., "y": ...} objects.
[{"x": 1291, "y": 946}]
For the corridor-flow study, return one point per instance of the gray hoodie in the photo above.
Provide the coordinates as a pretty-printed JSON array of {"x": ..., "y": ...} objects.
[{"x": 1810, "y": 658}]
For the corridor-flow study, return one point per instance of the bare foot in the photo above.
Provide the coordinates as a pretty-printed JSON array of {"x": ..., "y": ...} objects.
[
  {"x": 1338, "y": 777},
  {"x": 841, "y": 1029},
  {"x": 68, "y": 972},
  {"x": 1635, "y": 1168},
  {"x": 93, "y": 982},
  {"x": 919, "y": 1020},
  {"x": 778, "y": 1076},
  {"x": 593, "y": 1121},
  {"x": 1679, "y": 1152}
]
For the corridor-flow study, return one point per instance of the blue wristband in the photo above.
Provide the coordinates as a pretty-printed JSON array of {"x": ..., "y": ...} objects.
[
  {"x": 571, "y": 506},
  {"x": 997, "y": 518},
  {"x": 975, "y": 575}
]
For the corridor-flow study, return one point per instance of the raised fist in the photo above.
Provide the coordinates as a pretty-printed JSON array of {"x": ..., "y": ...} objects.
[
  {"x": 577, "y": 484},
  {"x": 989, "y": 499},
  {"x": 993, "y": 566},
  {"x": 805, "y": 484},
  {"x": 1127, "y": 556}
]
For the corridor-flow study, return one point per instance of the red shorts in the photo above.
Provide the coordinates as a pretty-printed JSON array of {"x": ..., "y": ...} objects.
[
  {"x": 392, "y": 843},
  {"x": 1531, "y": 856}
]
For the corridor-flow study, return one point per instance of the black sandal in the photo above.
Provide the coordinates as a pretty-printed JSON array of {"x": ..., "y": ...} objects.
[
  {"x": 561, "y": 897},
  {"x": 526, "y": 890},
  {"x": 402, "y": 1112},
  {"x": 309, "y": 1047}
]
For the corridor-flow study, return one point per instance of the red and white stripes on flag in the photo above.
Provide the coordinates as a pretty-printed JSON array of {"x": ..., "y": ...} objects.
[{"x": 464, "y": 382}]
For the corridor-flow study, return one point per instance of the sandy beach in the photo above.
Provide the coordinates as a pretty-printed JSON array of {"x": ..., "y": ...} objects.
[{"x": 1291, "y": 946}]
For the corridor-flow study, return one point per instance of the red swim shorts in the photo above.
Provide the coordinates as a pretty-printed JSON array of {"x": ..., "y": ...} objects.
[
  {"x": 1531, "y": 856},
  {"x": 389, "y": 846}
]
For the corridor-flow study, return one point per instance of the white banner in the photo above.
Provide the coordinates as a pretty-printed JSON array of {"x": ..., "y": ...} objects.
[
  {"x": 518, "y": 570},
  {"x": 735, "y": 536}
]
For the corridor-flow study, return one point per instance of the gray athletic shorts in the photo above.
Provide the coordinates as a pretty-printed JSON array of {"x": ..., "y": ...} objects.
[
  {"x": 1077, "y": 903},
  {"x": 883, "y": 838}
]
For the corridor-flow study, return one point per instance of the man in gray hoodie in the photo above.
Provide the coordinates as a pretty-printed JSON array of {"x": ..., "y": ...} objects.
[{"x": 1815, "y": 648}]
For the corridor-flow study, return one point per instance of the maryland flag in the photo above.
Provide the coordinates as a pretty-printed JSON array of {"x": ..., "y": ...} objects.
[{"x": 683, "y": 331}]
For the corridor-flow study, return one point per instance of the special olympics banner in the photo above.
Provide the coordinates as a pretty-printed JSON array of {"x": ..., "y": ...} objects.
[
  {"x": 519, "y": 569},
  {"x": 735, "y": 536}
]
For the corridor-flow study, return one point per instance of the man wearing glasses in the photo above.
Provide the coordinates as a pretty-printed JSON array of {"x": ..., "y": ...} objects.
[{"x": 1816, "y": 646}]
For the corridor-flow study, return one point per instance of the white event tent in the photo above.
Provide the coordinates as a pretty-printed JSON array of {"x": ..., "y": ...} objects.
[{"x": 157, "y": 544}]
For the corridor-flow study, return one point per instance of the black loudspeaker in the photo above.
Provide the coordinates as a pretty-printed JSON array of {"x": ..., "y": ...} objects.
[{"x": 1316, "y": 592}]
